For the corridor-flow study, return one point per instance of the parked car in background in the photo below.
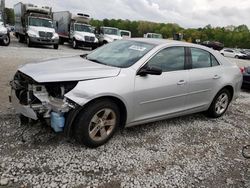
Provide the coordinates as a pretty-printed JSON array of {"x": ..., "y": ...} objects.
[
  {"x": 233, "y": 53},
  {"x": 108, "y": 34},
  {"x": 153, "y": 35},
  {"x": 246, "y": 77},
  {"x": 125, "y": 34},
  {"x": 213, "y": 44},
  {"x": 247, "y": 52},
  {"x": 125, "y": 83}
]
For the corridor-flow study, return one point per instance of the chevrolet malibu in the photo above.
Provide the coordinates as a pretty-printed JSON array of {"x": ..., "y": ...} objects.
[{"x": 122, "y": 84}]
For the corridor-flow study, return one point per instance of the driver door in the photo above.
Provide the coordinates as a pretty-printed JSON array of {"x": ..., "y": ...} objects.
[{"x": 160, "y": 95}]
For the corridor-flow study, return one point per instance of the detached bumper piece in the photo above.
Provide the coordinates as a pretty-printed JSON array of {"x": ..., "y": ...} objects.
[{"x": 33, "y": 100}]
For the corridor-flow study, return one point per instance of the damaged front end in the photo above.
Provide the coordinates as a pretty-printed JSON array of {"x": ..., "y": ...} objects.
[{"x": 42, "y": 100}]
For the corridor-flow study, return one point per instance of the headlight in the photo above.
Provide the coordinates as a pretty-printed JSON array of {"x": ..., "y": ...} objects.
[
  {"x": 55, "y": 36},
  {"x": 96, "y": 40},
  {"x": 79, "y": 38},
  {"x": 32, "y": 35}
]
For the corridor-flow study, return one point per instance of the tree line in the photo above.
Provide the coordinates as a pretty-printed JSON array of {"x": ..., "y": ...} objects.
[{"x": 235, "y": 37}]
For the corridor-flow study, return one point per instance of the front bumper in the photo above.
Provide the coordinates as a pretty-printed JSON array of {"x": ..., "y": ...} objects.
[
  {"x": 44, "y": 41},
  {"x": 25, "y": 110},
  {"x": 87, "y": 44}
]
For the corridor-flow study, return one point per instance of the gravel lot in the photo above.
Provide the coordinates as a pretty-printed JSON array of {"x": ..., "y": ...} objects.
[{"x": 191, "y": 151}]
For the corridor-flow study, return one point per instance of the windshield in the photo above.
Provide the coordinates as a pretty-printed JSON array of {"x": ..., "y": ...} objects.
[
  {"x": 125, "y": 33},
  {"x": 120, "y": 53},
  {"x": 111, "y": 31},
  {"x": 83, "y": 28},
  {"x": 39, "y": 22}
]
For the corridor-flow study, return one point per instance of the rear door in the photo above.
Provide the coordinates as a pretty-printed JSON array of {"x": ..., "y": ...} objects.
[{"x": 204, "y": 78}]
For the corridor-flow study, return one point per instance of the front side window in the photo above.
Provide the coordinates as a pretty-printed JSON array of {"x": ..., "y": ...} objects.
[
  {"x": 120, "y": 53},
  {"x": 202, "y": 59},
  {"x": 169, "y": 59}
]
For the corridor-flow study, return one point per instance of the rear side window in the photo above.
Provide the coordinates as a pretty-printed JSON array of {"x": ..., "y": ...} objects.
[
  {"x": 202, "y": 59},
  {"x": 169, "y": 59}
]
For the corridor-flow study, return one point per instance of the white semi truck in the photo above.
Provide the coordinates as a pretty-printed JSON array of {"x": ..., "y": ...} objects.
[
  {"x": 4, "y": 33},
  {"x": 108, "y": 34},
  {"x": 34, "y": 25},
  {"x": 75, "y": 29}
]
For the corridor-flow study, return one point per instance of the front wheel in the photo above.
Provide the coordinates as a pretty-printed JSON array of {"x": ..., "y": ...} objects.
[
  {"x": 96, "y": 124},
  {"x": 28, "y": 42},
  {"x": 237, "y": 57},
  {"x": 56, "y": 46},
  {"x": 220, "y": 104},
  {"x": 75, "y": 45},
  {"x": 6, "y": 41}
]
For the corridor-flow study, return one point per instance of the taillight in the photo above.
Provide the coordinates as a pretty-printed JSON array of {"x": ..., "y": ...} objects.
[{"x": 242, "y": 69}]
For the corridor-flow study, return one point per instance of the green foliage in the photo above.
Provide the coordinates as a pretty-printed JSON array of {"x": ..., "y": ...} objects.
[
  {"x": 10, "y": 18},
  {"x": 238, "y": 37}
]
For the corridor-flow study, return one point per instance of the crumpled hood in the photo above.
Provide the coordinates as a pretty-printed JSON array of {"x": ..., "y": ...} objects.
[{"x": 68, "y": 69}]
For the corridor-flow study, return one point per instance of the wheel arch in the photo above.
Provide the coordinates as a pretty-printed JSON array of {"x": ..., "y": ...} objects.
[{"x": 74, "y": 113}]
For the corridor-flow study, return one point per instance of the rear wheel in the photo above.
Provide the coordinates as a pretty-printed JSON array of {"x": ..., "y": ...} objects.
[
  {"x": 96, "y": 124},
  {"x": 220, "y": 104}
]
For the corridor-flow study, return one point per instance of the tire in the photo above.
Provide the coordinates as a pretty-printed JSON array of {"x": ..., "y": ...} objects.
[
  {"x": 61, "y": 40},
  {"x": 19, "y": 38},
  {"x": 237, "y": 57},
  {"x": 74, "y": 44},
  {"x": 56, "y": 46},
  {"x": 23, "y": 119},
  {"x": 29, "y": 43},
  {"x": 6, "y": 41},
  {"x": 218, "y": 107},
  {"x": 89, "y": 127}
]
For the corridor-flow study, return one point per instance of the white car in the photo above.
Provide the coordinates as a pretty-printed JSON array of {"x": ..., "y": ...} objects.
[{"x": 233, "y": 53}]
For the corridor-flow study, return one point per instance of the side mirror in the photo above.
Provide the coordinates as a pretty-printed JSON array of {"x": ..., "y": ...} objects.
[{"x": 149, "y": 70}]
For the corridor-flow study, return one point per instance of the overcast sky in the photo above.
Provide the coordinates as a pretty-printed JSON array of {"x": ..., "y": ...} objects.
[{"x": 186, "y": 13}]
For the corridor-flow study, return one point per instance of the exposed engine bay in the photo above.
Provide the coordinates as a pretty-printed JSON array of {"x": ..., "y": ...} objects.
[{"x": 39, "y": 100}]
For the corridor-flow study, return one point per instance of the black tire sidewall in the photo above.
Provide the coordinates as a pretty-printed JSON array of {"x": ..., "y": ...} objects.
[
  {"x": 81, "y": 125},
  {"x": 212, "y": 111}
]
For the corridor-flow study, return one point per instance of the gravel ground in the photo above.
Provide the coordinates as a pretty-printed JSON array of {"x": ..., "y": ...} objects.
[{"x": 191, "y": 151}]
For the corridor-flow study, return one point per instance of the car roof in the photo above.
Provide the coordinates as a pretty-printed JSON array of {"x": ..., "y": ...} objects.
[{"x": 158, "y": 42}]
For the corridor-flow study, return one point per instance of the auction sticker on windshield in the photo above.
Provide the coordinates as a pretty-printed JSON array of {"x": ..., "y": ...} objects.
[{"x": 137, "y": 48}]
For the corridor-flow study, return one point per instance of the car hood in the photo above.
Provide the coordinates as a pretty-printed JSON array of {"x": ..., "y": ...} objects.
[
  {"x": 44, "y": 29},
  {"x": 83, "y": 34},
  {"x": 68, "y": 69}
]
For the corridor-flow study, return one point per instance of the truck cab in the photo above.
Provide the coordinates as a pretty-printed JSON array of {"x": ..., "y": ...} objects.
[
  {"x": 75, "y": 29},
  {"x": 153, "y": 35},
  {"x": 108, "y": 34},
  {"x": 34, "y": 25},
  {"x": 125, "y": 34},
  {"x": 4, "y": 33}
]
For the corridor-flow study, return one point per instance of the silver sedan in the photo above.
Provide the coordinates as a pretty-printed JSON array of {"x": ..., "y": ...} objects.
[{"x": 125, "y": 83}]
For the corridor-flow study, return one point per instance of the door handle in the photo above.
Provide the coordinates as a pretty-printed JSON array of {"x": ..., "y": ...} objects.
[
  {"x": 181, "y": 82},
  {"x": 216, "y": 77}
]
